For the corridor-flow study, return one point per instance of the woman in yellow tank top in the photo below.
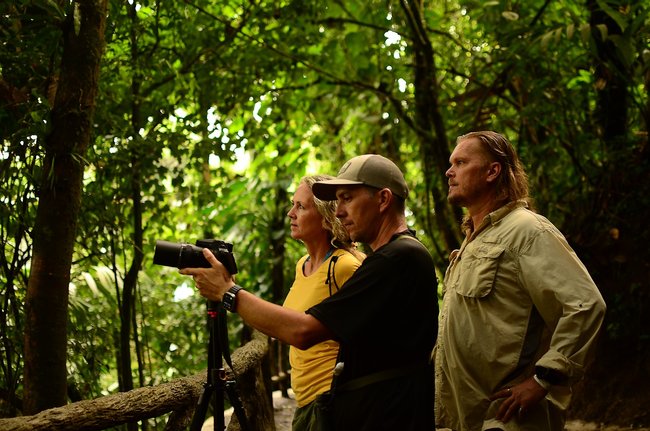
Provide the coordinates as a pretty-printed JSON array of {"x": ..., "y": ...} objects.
[{"x": 330, "y": 260}]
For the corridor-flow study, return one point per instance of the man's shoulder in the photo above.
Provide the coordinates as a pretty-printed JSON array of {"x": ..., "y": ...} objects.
[
  {"x": 525, "y": 219},
  {"x": 406, "y": 251},
  {"x": 413, "y": 243},
  {"x": 521, "y": 226}
]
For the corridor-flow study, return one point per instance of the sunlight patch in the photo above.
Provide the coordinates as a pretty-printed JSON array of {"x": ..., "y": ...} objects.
[{"x": 183, "y": 292}]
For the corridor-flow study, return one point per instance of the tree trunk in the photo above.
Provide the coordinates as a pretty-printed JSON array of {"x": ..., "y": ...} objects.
[
  {"x": 128, "y": 328},
  {"x": 432, "y": 134},
  {"x": 59, "y": 201},
  {"x": 279, "y": 351}
]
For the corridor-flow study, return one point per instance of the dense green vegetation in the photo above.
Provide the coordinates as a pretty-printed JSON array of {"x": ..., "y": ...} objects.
[{"x": 207, "y": 113}]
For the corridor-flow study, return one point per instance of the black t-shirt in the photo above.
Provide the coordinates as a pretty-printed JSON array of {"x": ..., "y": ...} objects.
[{"x": 385, "y": 317}]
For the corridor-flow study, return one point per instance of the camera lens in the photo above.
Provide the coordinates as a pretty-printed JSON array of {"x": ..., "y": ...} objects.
[{"x": 168, "y": 253}]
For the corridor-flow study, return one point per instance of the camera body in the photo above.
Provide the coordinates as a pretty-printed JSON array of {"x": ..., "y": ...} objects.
[{"x": 182, "y": 255}]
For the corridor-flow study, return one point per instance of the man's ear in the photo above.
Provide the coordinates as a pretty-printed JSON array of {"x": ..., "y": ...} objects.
[
  {"x": 494, "y": 170},
  {"x": 385, "y": 197}
]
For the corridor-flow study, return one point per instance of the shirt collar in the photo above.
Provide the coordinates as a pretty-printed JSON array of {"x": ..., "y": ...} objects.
[{"x": 497, "y": 215}]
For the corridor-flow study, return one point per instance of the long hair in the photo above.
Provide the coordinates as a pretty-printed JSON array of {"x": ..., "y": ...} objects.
[
  {"x": 512, "y": 183},
  {"x": 339, "y": 237}
]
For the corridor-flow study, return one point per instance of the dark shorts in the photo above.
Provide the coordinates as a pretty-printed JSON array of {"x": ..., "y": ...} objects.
[
  {"x": 404, "y": 404},
  {"x": 308, "y": 418}
]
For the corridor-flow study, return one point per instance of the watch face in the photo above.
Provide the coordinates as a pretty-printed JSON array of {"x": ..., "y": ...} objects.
[
  {"x": 230, "y": 297},
  {"x": 228, "y": 301}
]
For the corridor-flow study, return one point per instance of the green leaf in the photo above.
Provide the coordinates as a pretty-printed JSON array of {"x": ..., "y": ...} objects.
[
  {"x": 510, "y": 15},
  {"x": 620, "y": 19}
]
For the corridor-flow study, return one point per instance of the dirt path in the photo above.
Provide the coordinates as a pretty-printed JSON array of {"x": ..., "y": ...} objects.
[
  {"x": 577, "y": 425},
  {"x": 284, "y": 408}
]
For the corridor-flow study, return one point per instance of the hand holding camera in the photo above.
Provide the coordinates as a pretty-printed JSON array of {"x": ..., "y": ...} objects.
[
  {"x": 191, "y": 256},
  {"x": 211, "y": 264}
]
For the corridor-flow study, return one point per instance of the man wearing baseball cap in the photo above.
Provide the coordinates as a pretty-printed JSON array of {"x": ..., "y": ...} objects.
[
  {"x": 384, "y": 316},
  {"x": 371, "y": 170}
]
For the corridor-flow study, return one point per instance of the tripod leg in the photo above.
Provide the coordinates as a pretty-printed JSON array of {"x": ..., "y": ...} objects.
[
  {"x": 209, "y": 392},
  {"x": 214, "y": 387},
  {"x": 202, "y": 408},
  {"x": 237, "y": 405}
]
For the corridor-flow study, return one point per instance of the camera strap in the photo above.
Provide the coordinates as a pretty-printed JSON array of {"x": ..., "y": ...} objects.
[
  {"x": 222, "y": 330},
  {"x": 230, "y": 385}
]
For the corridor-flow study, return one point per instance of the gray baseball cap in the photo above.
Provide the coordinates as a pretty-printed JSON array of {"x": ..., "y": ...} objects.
[{"x": 371, "y": 170}]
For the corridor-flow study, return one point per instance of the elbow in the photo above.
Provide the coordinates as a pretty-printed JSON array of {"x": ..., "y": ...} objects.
[
  {"x": 600, "y": 308},
  {"x": 303, "y": 339},
  {"x": 309, "y": 333},
  {"x": 302, "y": 343}
]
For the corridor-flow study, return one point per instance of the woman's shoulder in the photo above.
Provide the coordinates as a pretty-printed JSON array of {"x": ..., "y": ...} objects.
[
  {"x": 343, "y": 255},
  {"x": 301, "y": 262}
]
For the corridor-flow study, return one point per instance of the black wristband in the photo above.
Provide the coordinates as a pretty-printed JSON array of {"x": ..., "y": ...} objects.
[{"x": 550, "y": 375}]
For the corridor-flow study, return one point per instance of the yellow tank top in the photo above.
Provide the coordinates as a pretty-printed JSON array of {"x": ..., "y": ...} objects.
[{"x": 311, "y": 369}]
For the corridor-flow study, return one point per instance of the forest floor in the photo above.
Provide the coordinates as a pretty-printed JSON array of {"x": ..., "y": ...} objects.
[{"x": 284, "y": 408}]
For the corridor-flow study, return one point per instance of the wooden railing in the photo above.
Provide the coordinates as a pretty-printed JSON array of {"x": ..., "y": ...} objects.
[{"x": 178, "y": 397}]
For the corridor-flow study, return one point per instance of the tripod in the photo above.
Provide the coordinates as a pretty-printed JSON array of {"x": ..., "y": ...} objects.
[{"x": 216, "y": 385}]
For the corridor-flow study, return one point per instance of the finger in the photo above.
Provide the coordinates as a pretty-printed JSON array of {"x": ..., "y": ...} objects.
[
  {"x": 503, "y": 408},
  {"x": 510, "y": 413},
  {"x": 189, "y": 271},
  {"x": 213, "y": 261},
  {"x": 503, "y": 393}
]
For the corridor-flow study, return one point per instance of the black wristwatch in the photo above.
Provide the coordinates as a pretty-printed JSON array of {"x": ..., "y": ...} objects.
[
  {"x": 229, "y": 299},
  {"x": 551, "y": 376}
]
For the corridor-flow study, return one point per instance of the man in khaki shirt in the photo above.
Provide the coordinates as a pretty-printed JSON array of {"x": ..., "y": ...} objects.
[{"x": 520, "y": 310}]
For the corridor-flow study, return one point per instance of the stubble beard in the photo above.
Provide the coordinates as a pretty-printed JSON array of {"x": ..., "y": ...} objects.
[{"x": 454, "y": 199}]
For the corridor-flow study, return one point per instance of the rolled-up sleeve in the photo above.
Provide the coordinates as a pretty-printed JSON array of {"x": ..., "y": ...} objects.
[{"x": 567, "y": 299}]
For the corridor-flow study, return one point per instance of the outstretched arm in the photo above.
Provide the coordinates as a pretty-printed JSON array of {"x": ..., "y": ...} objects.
[{"x": 299, "y": 329}]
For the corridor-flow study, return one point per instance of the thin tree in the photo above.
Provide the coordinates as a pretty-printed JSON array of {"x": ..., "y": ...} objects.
[{"x": 45, "y": 374}]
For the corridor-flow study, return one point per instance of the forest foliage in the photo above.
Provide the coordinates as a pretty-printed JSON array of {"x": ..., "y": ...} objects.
[{"x": 208, "y": 113}]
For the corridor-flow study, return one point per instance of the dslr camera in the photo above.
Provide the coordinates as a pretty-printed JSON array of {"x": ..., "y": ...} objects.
[{"x": 191, "y": 256}]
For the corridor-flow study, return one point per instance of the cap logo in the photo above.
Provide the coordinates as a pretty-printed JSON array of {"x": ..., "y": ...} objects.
[{"x": 344, "y": 168}]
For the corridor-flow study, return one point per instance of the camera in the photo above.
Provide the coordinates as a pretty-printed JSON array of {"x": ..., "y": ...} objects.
[{"x": 191, "y": 256}]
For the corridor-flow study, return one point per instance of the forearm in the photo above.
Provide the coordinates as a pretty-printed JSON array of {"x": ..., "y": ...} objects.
[
  {"x": 569, "y": 302},
  {"x": 296, "y": 328}
]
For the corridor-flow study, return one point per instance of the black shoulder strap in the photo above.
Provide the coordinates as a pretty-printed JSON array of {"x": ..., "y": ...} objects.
[{"x": 331, "y": 274}]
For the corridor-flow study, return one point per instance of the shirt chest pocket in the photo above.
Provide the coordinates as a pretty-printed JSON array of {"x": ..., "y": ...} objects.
[{"x": 476, "y": 270}]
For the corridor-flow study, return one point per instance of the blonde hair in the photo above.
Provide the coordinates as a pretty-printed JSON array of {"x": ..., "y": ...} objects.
[{"x": 339, "y": 237}]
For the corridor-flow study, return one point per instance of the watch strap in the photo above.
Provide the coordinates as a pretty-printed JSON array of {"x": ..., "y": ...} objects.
[{"x": 554, "y": 377}]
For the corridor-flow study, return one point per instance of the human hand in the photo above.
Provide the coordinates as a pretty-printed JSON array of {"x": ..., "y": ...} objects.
[
  {"x": 212, "y": 282},
  {"x": 518, "y": 399}
]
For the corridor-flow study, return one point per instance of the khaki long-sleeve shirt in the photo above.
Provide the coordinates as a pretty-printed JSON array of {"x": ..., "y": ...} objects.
[{"x": 516, "y": 296}]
